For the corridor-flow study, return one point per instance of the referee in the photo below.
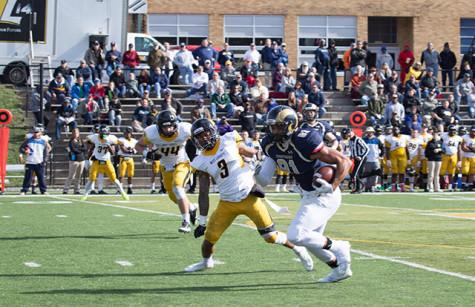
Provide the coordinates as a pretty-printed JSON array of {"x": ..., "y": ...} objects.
[{"x": 359, "y": 150}]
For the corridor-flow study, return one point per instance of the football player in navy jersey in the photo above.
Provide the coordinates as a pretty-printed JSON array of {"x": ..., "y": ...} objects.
[
  {"x": 301, "y": 152},
  {"x": 310, "y": 111}
]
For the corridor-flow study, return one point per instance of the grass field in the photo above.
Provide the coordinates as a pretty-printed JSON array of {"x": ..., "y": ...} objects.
[{"x": 408, "y": 250}]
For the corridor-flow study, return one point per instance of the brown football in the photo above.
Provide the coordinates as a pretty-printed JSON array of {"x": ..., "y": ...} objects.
[{"x": 327, "y": 173}]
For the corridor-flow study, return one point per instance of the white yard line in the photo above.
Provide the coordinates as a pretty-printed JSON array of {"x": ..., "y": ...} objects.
[
  {"x": 449, "y": 216},
  {"x": 6, "y": 216},
  {"x": 359, "y": 252},
  {"x": 32, "y": 264},
  {"x": 414, "y": 265},
  {"x": 118, "y": 215},
  {"x": 61, "y": 216},
  {"x": 124, "y": 263}
]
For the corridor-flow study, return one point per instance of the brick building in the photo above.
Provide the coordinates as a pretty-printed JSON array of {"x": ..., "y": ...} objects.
[{"x": 300, "y": 22}]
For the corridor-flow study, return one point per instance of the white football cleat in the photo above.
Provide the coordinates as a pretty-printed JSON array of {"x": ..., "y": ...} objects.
[
  {"x": 339, "y": 273},
  {"x": 304, "y": 257},
  {"x": 200, "y": 266},
  {"x": 185, "y": 227}
]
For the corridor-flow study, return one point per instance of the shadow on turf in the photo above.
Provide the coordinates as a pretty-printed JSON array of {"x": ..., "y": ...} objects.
[
  {"x": 181, "y": 290},
  {"x": 162, "y": 236}
]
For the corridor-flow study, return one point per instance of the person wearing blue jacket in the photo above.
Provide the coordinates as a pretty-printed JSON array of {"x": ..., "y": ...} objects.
[
  {"x": 160, "y": 81},
  {"x": 205, "y": 52},
  {"x": 322, "y": 63},
  {"x": 79, "y": 92}
]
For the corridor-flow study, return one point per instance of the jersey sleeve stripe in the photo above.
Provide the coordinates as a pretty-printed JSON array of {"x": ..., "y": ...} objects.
[{"x": 318, "y": 148}]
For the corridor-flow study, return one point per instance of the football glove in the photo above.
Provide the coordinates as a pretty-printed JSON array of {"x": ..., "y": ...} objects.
[
  {"x": 324, "y": 187},
  {"x": 199, "y": 231}
]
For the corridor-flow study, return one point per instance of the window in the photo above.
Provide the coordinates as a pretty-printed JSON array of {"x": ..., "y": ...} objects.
[
  {"x": 143, "y": 44},
  {"x": 467, "y": 34},
  {"x": 382, "y": 30},
  {"x": 176, "y": 29},
  {"x": 341, "y": 29},
  {"x": 242, "y": 30}
]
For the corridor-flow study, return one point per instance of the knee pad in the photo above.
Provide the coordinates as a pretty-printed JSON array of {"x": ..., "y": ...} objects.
[{"x": 179, "y": 192}]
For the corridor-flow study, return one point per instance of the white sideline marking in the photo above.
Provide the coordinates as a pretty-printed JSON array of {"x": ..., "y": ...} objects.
[
  {"x": 471, "y": 257},
  {"x": 128, "y": 201},
  {"x": 372, "y": 258},
  {"x": 359, "y": 252},
  {"x": 414, "y": 265},
  {"x": 6, "y": 216},
  {"x": 32, "y": 264},
  {"x": 59, "y": 202},
  {"x": 453, "y": 198},
  {"x": 124, "y": 263},
  {"x": 448, "y": 216},
  {"x": 61, "y": 216},
  {"x": 25, "y": 202},
  {"x": 118, "y": 215}
]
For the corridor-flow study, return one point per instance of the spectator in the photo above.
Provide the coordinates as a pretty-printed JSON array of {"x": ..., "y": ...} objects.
[
  {"x": 200, "y": 111},
  {"x": 356, "y": 82},
  {"x": 447, "y": 64},
  {"x": 358, "y": 57},
  {"x": 288, "y": 81},
  {"x": 209, "y": 69},
  {"x": 214, "y": 84},
  {"x": 394, "y": 90},
  {"x": 119, "y": 80},
  {"x": 276, "y": 55},
  {"x": 150, "y": 118},
  {"x": 267, "y": 54},
  {"x": 310, "y": 82},
  {"x": 184, "y": 61},
  {"x": 65, "y": 71},
  {"x": 299, "y": 91},
  {"x": 224, "y": 127},
  {"x": 259, "y": 91},
  {"x": 465, "y": 69},
  {"x": 84, "y": 71},
  {"x": 368, "y": 90},
  {"x": 384, "y": 57},
  {"x": 433, "y": 153},
  {"x": 132, "y": 86},
  {"x": 254, "y": 56},
  {"x": 318, "y": 98},
  {"x": 277, "y": 77},
  {"x": 412, "y": 120},
  {"x": 139, "y": 118},
  {"x": 413, "y": 84},
  {"x": 334, "y": 62},
  {"x": 248, "y": 119},
  {"x": 200, "y": 82},
  {"x": 241, "y": 83},
  {"x": 376, "y": 107},
  {"x": 79, "y": 92},
  {"x": 443, "y": 116},
  {"x": 429, "y": 84},
  {"x": 204, "y": 52},
  {"x": 411, "y": 99},
  {"x": 170, "y": 57},
  {"x": 431, "y": 58},
  {"x": 130, "y": 60},
  {"x": 463, "y": 89},
  {"x": 384, "y": 73},
  {"x": 220, "y": 102},
  {"x": 293, "y": 102},
  {"x": 95, "y": 59},
  {"x": 170, "y": 103},
  {"x": 65, "y": 117},
  {"x": 249, "y": 72},
  {"x": 406, "y": 59},
  {"x": 394, "y": 110},
  {"x": 454, "y": 106},
  {"x": 36, "y": 148},
  {"x": 37, "y": 105},
  {"x": 392, "y": 80},
  {"x": 111, "y": 92},
  {"x": 302, "y": 72},
  {"x": 347, "y": 64},
  {"x": 115, "y": 113},
  {"x": 160, "y": 81},
  {"x": 89, "y": 111},
  {"x": 113, "y": 58},
  {"x": 98, "y": 93},
  {"x": 471, "y": 103},
  {"x": 415, "y": 70},
  {"x": 144, "y": 81},
  {"x": 228, "y": 73},
  {"x": 58, "y": 90},
  {"x": 284, "y": 56},
  {"x": 225, "y": 55},
  {"x": 370, "y": 57},
  {"x": 236, "y": 96},
  {"x": 76, "y": 155}
]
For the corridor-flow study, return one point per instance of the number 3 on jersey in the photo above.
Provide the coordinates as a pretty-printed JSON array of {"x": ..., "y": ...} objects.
[
  {"x": 288, "y": 167},
  {"x": 224, "y": 168}
]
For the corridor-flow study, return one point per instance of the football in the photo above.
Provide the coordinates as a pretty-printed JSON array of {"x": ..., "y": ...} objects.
[{"x": 326, "y": 172}]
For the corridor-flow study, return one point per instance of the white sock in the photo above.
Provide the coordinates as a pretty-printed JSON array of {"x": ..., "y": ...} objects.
[
  {"x": 192, "y": 207},
  {"x": 100, "y": 182},
  {"x": 89, "y": 187},
  {"x": 203, "y": 220},
  {"x": 284, "y": 187},
  {"x": 153, "y": 185},
  {"x": 130, "y": 185},
  {"x": 186, "y": 217},
  {"x": 119, "y": 186}
]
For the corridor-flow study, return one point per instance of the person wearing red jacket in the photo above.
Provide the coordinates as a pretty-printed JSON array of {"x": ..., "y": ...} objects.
[
  {"x": 98, "y": 93},
  {"x": 130, "y": 59},
  {"x": 405, "y": 60}
]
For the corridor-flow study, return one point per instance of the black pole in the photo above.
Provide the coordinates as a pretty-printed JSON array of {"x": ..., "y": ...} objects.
[{"x": 41, "y": 93}]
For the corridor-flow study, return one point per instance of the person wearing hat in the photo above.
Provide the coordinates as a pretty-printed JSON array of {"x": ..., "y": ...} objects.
[
  {"x": 429, "y": 84},
  {"x": 35, "y": 149},
  {"x": 113, "y": 58},
  {"x": 384, "y": 57},
  {"x": 95, "y": 59},
  {"x": 225, "y": 55},
  {"x": 184, "y": 61},
  {"x": 228, "y": 73},
  {"x": 448, "y": 60},
  {"x": 66, "y": 71},
  {"x": 431, "y": 58},
  {"x": 302, "y": 72},
  {"x": 372, "y": 165}
]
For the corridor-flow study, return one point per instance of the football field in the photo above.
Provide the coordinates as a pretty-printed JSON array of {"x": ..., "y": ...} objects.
[{"x": 408, "y": 250}]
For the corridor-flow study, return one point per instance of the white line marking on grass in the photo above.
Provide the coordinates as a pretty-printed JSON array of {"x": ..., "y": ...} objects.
[
  {"x": 32, "y": 264},
  {"x": 372, "y": 258},
  {"x": 6, "y": 216},
  {"x": 61, "y": 216},
  {"x": 25, "y": 202},
  {"x": 471, "y": 257},
  {"x": 118, "y": 215},
  {"x": 218, "y": 262},
  {"x": 59, "y": 202},
  {"x": 448, "y": 216},
  {"x": 414, "y": 265},
  {"x": 359, "y": 252},
  {"x": 124, "y": 263},
  {"x": 128, "y": 201}
]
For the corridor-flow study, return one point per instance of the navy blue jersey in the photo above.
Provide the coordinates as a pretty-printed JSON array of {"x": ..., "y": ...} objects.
[
  {"x": 322, "y": 126},
  {"x": 296, "y": 158}
]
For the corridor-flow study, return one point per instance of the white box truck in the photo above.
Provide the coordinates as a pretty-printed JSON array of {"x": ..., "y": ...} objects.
[{"x": 48, "y": 31}]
